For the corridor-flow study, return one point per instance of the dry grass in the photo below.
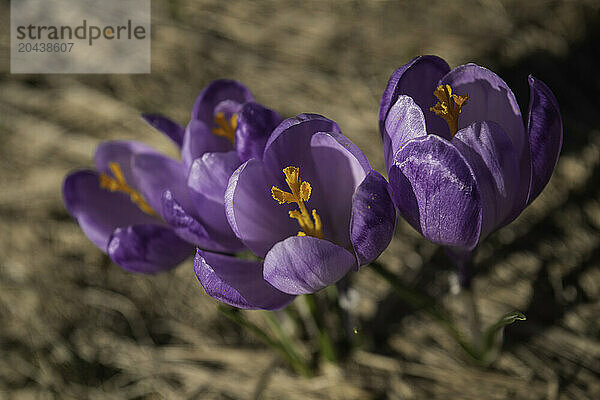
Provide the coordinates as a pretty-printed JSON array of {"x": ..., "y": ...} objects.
[{"x": 73, "y": 325}]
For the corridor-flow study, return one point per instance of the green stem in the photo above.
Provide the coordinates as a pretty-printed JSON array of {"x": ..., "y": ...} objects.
[
  {"x": 294, "y": 315},
  {"x": 283, "y": 346},
  {"x": 326, "y": 347},
  {"x": 422, "y": 301},
  {"x": 286, "y": 342},
  {"x": 473, "y": 318}
]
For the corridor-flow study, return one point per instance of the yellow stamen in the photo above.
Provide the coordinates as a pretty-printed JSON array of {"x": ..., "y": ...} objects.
[
  {"x": 300, "y": 193},
  {"x": 119, "y": 184},
  {"x": 448, "y": 106},
  {"x": 225, "y": 128}
]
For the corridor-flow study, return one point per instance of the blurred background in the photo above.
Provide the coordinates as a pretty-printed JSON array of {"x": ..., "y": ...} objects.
[{"x": 73, "y": 325}]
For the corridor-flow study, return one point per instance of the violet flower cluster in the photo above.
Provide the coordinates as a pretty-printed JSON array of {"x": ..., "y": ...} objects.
[
  {"x": 295, "y": 193},
  {"x": 277, "y": 208}
]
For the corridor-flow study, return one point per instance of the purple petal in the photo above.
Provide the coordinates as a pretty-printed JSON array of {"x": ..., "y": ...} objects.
[
  {"x": 210, "y": 175},
  {"x": 215, "y": 93},
  {"x": 255, "y": 217},
  {"x": 199, "y": 139},
  {"x": 170, "y": 128},
  {"x": 236, "y": 282},
  {"x": 120, "y": 152},
  {"x": 99, "y": 212},
  {"x": 147, "y": 249},
  {"x": 184, "y": 224},
  {"x": 373, "y": 218},
  {"x": 289, "y": 144},
  {"x": 417, "y": 79},
  {"x": 490, "y": 99},
  {"x": 492, "y": 157},
  {"x": 302, "y": 265},
  {"x": 188, "y": 227},
  {"x": 404, "y": 121},
  {"x": 155, "y": 173},
  {"x": 544, "y": 129},
  {"x": 254, "y": 126},
  {"x": 436, "y": 191},
  {"x": 228, "y": 107},
  {"x": 207, "y": 183},
  {"x": 335, "y": 140},
  {"x": 340, "y": 168}
]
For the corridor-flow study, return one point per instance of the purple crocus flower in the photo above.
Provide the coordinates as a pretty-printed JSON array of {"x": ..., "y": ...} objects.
[
  {"x": 145, "y": 209},
  {"x": 460, "y": 160},
  {"x": 118, "y": 205},
  {"x": 312, "y": 207}
]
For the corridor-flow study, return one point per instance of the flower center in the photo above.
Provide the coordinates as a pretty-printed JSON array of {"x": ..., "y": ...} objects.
[
  {"x": 224, "y": 127},
  {"x": 118, "y": 184},
  {"x": 448, "y": 106},
  {"x": 300, "y": 193}
]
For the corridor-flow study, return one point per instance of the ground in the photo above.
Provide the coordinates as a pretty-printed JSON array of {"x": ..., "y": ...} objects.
[{"x": 73, "y": 325}]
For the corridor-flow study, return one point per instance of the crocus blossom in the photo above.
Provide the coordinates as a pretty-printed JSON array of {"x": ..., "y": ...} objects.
[
  {"x": 145, "y": 209},
  {"x": 311, "y": 207},
  {"x": 118, "y": 205},
  {"x": 461, "y": 162}
]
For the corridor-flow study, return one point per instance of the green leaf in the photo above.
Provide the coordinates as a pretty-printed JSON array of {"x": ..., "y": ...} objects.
[
  {"x": 506, "y": 319},
  {"x": 492, "y": 336}
]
